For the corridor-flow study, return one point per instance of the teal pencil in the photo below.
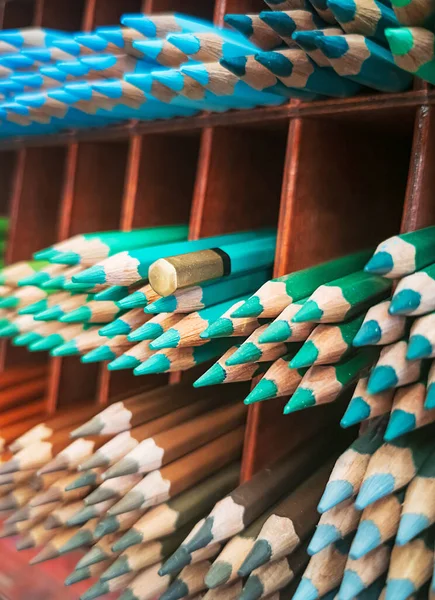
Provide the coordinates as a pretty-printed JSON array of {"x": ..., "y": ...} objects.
[
  {"x": 364, "y": 405},
  {"x": 380, "y": 327},
  {"x": 42, "y": 305},
  {"x": 430, "y": 391},
  {"x": 393, "y": 370},
  {"x": 62, "y": 334},
  {"x": 252, "y": 351},
  {"x": 349, "y": 470},
  {"x": 285, "y": 23},
  {"x": 109, "y": 349},
  {"x": 127, "y": 268},
  {"x": 282, "y": 329},
  {"x": 41, "y": 276},
  {"x": 37, "y": 335},
  {"x": 366, "y": 17},
  {"x": 360, "y": 573},
  {"x": 139, "y": 298},
  {"x": 275, "y": 295},
  {"x": 201, "y": 296},
  {"x": 334, "y": 525},
  {"x": 187, "y": 332},
  {"x": 227, "y": 326},
  {"x": 155, "y": 327},
  {"x": 408, "y": 412},
  {"x": 66, "y": 304},
  {"x": 126, "y": 323},
  {"x": 255, "y": 29},
  {"x": 415, "y": 294},
  {"x": 394, "y": 465},
  {"x": 306, "y": 41},
  {"x": 93, "y": 312},
  {"x": 363, "y": 61},
  {"x": 181, "y": 359},
  {"x": 421, "y": 343},
  {"x": 220, "y": 372},
  {"x": 379, "y": 523}
]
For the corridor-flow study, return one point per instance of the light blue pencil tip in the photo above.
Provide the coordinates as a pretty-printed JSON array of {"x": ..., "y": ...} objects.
[
  {"x": 123, "y": 362},
  {"x": 214, "y": 376},
  {"x": 418, "y": 347},
  {"x": 158, "y": 363},
  {"x": 399, "y": 589},
  {"x": 185, "y": 42},
  {"x": 382, "y": 378},
  {"x": 335, "y": 492},
  {"x": 324, "y": 536},
  {"x": 306, "y": 591},
  {"x": 366, "y": 539},
  {"x": 404, "y": 302},
  {"x": 141, "y": 23},
  {"x": 66, "y": 258},
  {"x": 351, "y": 585},
  {"x": 374, "y": 488},
  {"x": 380, "y": 263},
  {"x": 410, "y": 526},
  {"x": 400, "y": 422},
  {"x": 110, "y": 88},
  {"x": 93, "y": 275}
]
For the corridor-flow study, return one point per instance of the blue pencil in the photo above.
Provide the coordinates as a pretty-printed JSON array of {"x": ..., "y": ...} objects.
[
  {"x": 31, "y": 36},
  {"x": 159, "y": 25},
  {"x": 306, "y": 41},
  {"x": 366, "y": 17},
  {"x": 212, "y": 46},
  {"x": 255, "y": 29},
  {"x": 285, "y": 23},
  {"x": 104, "y": 65}
]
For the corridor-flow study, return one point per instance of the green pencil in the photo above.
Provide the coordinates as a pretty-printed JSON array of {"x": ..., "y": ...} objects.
[
  {"x": 227, "y": 326},
  {"x": 408, "y": 412},
  {"x": 364, "y": 405},
  {"x": 140, "y": 298},
  {"x": 279, "y": 380},
  {"x": 347, "y": 475},
  {"x": 252, "y": 351},
  {"x": 327, "y": 344},
  {"x": 220, "y": 372},
  {"x": 93, "y": 312},
  {"x": 421, "y": 343},
  {"x": 394, "y": 465},
  {"x": 181, "y": 359},
  {"x": 126, "y": 323},
  {"x": 275, "y": 295},
  {"x": 132, "y": 357},
  {"x": 393, "y": 369},
  {"x": 380, "y": 327},
  {"x": 108, "y": 350},
  {"x": 413, "y": 50},
  {"x": 323, "y": 384},
  {"x": 282, "y": 329},
  {"x": 155, "y": 327},
  {"x": 415, "y": 294}
]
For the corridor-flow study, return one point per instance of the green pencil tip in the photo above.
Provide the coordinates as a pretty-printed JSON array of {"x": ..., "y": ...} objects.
[
  {"x": 168, "y": 304},
  {"x": 119, "y": 567},
  {"x": 9, "y": 331},
  {"x": 79, "y": 315},
  {"x": 93, "y": 275},
  {"x": 418, "y": 347},
  {"x": 369, "y": 333},
  {"x": 278, "y": 331},
  {"x": 309, "y": 311},
  {"x": 98, "y": 355},
  {"x": 148, "y": 331},
  {"x": 400, "y": 40},
  {"x": 248, "y": 352},
  {"x": 400, "y": 422},
  {"x": 218, "y": 574},
  {"x": 9, "y": 302},
  {"x": 81, "y": 538},
  {"x": 222, "y": 327},
  {"x": 106, "y": 526},
  {"x": 65, "y": 258},
  {"x": 117, "y": 327},
  {"x": 44, "y": 254},
  {"x": 33, "y": 309},
  {"x": 306, "y": 356},
  {"x": 83, "y": 480},
  {"x": 131, "y": 501},
  {"x": 158, "y": 363},
  {"x": 357, "y": 411},
  {"x": 123, "y": 362},
  {"x": 68, "y": 349},
  {"x": 36, "y": 279},
  {"x": 380, "y": 263},
  {"x": 131, "y": 538},
  {"x": 168, "y": 339},
  {"x": 265, "y": 389},
  {"x": 78, "y": 575},
  {"x": 50, "y": 314},
  {"x": 134, "y": 300},
  {"x": 214, "y": 376},
  {"x": 47, "y": 343},
  {"x": 26, "y": 339},
  {"x": 251, "y": 308},
  {"x": 404, "y": 302},
  {"x": 253, "y": 589},
  {"x": 382, "y": 378},
  {"x": 81, "y": 516},
  {"x": 99, "y": 589},
  {"x": 301, "y": 399},
  {"x": 56, "y": 283}
]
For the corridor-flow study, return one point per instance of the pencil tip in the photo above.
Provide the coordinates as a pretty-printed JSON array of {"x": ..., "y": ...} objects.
[
  {"x": 95, "y": 555},
  {"x": 118, "y": 568},
  {"x": 79, "y": 315},
  {"x": 240, "y": 23},
  {"x": 278, "y": 331},
  {"x": 177, "y": 590},
  {"x": 382, "y": 378},
  {"x": 400, "y": 40},
  {"x": 157, "y": 363},
  {"x": 310, "y": 311},
  {"x": 253, "y": 589},
  {"x": 47, "y": 553},
  {"x": 131, "y": 501},
  {"x": 410, "y": 526},
  {"x": 92, "y": 427},
  {"x": 125, "y": 466},
  {"x": 357, "y": 411},
  {"x": 67, "y": 349},
  {"x": 366, "y": 539},
  {"x": 93, "y": 275},
  {"x": 185, "y": 42},
  {"x": 380, "y": 263},
  {"x": 260, "y": 553},
  {"x": 252, "y": 307},
  {"x": 168, "y": 339},
  {"x": 335, "y": 492},
  {"x": 430, "y": 397},
  {"x": 131, "y": 538},
  {"x": 351, "y": 584},
  {"x": 324, "y": 536},
  {"x": 222, "y": 327},
  {"x": 123, "y": 362},
  {"x": 99, "y": 589},
  {"x": 236, "y": 65},
  {"x": 76, "y": 576},
  {"x": 135, "y": 300},
  {"x": 265, "y": 389},
  {"x": 247, "y": 353},
  {"x": 369, "y": 334},
  {"x": 400, "y": 422},
  {"x": 9, "y": 302},
  {"x": 65, "y": 258},
  {"x": 302, "y": 398},
  {"x": 214, "y": 376},
  {"x": 306, "y": 356},
  {"x": 117, "y": 327},
  {"x": 374, "y": 488},
  {"x": 176, "y": 562},
  {"x": 404, "y": 302},
  {"x": 99, "y": 495},
  {"x": 399, "y": 589},
  {"x": 418, "y": 347},
  {"x": 98, "y": 354},
  {"x": 218, "y": 574},
  {"x": 306, "y": 590},
  {"x": 95, "y": 461}
]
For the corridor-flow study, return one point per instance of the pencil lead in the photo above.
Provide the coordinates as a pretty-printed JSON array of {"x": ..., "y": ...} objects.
[
  {"x": 67, "y": 349},
  {"x": 117, "y": 327},
  {"x": 309, "y": 311},
  {"x": 118, "y": 568},
  {"x": 418, "y": 347},
  {"x": 357, "y": 411},
  {"x": 366, "y": 539},
  {"x": 335, "y": 492},
  {"x": 370, "y": 333},
  {"x": 157, "y": 363},
  {"x": 248, "y": 352},
  {"x": 176, "y": 562},
  {"x": 99, "y": 589},
  {"x": 374, "y": 488},
  {"x": 98, "y": 355},
  {"x": 168, "y": 339},
  {"x": 218, "y": 575},
  {"x": 125, "y": 466},
  {"x": 381, "y": 262},
  {"x": 381, "y": 378},
  {"x": 404, "y": 302},
  {"x": 131, "y": 538},
  {"x": 251, "y": 308},
  {"x": 132, "y": 501},
  {"x": 106, "y": 526},
  {"x": 306, "y": 356},
  {"x": 92, "y": 275},
  {"x": 79, "y": 315},
  {"x": 400, "y": 422},
  {"x": 214, "y": 376},
  {"x": 264, "y": 389},
  {"x": 123, "y": 362},
  {"x": 302, "y": 398},
  {"x": 279, "y": 331}
]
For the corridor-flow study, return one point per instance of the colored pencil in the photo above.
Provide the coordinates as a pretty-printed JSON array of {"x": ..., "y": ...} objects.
[
  {"x": 39, "y": 277},
  {"x": 291, "y": 522},
  {"x": 275, "y": 295},
  {"x": 93, "y": 312},
  {"x": 282, "y": 329},
  {"x": 417, "y": 513},
  {"x": 411, "y": 566},
  {"x": 91, "y": 477},
  {"x": 12, "y": 274},
  {"x": 221, "y": 373},
  {"x": 323, "y": 384},
  {"x": 81, "y": 344},
  {"x": 226, "y": 326},
  {"x": 327, "y": 344},
  {"x": 139, "y": 298},
  {"x": 285, "y": 23},
  {"x": 129, "y": 267},
  {"x": 117, "y": 523},
  {"x": 115, "y": 488},
  {"x": 421, "y": 343},
  {"x": 155, "y": 452},
  {"x": 392, "y": 370},
  {"x": 414, "y": 294},
  {"x": 74, "y": 454},
  {"x": 37, "y": 536},
  {"x": 51, "y": 549},
  {"x": 188, "y": 582},
  {"x": 155, "y": 327},
  {"x": 255, "y": 29},
  {"x": 334, "y": 525},
  {"x": 279, "y": 380},
  {"x": 349, "y": 470},
  {"x": 408, "y": 412},
  {"x": 86, "y": 573},
  {"x": 364, "y": 405},
  {"x": 146, "y": 585},
  {"x": 380, "y": 327},
  {"x": 106, "y": 587},
  {"x": 252, "y": 351},
  {"x": 430, "y": 395},
  {"x": 393, "y": 465},
  {"x": 126, "y": 323},
  {"x": 22, "y": 297},
  {"x": 132, "y": 357},
  {"x": 109, "y": 350},
  {"x": 360, "y": 573},
  {"x": 379, "y": 523},
  {"x": 367, "y": 17}
]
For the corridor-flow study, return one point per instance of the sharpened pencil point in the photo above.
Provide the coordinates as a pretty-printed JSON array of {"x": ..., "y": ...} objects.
[
  {"x": 117, "y": 327},
  {"x": 400, "y": 422},
  {"x": 410, "y": 526},
  {"x": 357, "y": 411},
  {"x": 119, "y": 567},
  {"x": 404, "y": 302},
  {"x": 47, "y": 553},
  {"x": 370, "y": 333},
  {"x": 149, "y": 331},
  {"x": 241, "y": 23},
  {"x": 125, "y": 466},
  {"x": 306, "y": 591},
  {"x": 218, "y": 574},
  {"x": 260, "y": 554},
  {"x": 98, "y": 355},
  {"x": 251, "y": 308},
  {"x": 374, "y": 488},
  {"x": 301, "y": 399},
  {"x": 78, "y": 575},
  {"x": 366, "y": 539},
  {"x": 82, "y": 480},
  {"x": 214, "y": 376},
  {"x": 418, "y": 347},
  {"x": 380, "y": 263},
  {"x": 131, "y": 538},
  {"x": 9, "y": 302},
  {"x": 99, "y": 589},
  {"x": 81, "y": 538},
  {"x": 33, "y": 309},
  {"x": 306, "y": 356},
  {"x": 253, "y": 589},
  {"x": 157, "y": 363},
  {"x": 430, "y": 397},
  {"x": 248, "y": 352},
  {"x": 335, "y": 492},
  {"x": 51, "y": 314},
  {"x": 309, "y": 311},
  {"x": 25, "y": 339},
  {"x": 400, "y": 40},
  {"x": 351, "y": 585},
  {"x": 278, "y": 331},
  {"x": 381, "y": 378},
  {"x": 168, "y": 304},
  {"x": 92, "y": 427},
  {"x": 324, "y": 536},
  {"x": 67, "y": 349},
  {"x": 93, "y": 275},
  {"x": 131, "y": 501},
  {"x": 81, "y": 516},
  {"x": 176, "y": 562},
  {"x": 99, "y": 495},
  {"x": 222, "y": 327},
  {"x": 79, "y": 315},
  {"x": 94, "y": 556},
  {"x": 135, "y": 300},
  {"x": 265, "y": 388},
  {"x": 169, "y": 339},
  {"x": 399, "y": 589},
  {"x": 176, "y": 591},
  {"x": 123, "y": 362}
]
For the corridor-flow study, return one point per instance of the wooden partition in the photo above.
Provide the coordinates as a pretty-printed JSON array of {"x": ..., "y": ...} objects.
[{"x": 334, "y": 176}]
